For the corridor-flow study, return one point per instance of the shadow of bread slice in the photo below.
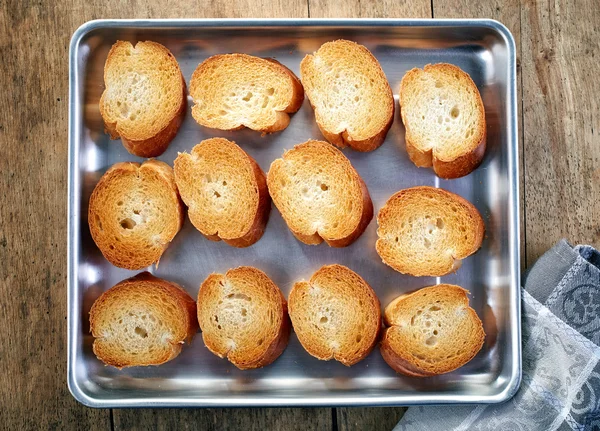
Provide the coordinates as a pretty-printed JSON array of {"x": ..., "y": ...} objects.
[
  {"x": 336, "y": 315},
  {"x": 431, "y": 331},
  {"x": 233, "y": 91},
  {"x": 443, "y": 114},
  {"x": 320, "y": 195},
  {"x": 243, "y": 317},
  {"x": 425, "y": 231},
  {"x": 135, "y": 212},
  {"x": 142, "y": 321},
  {"x": 145, "y": 97},
  {"x": 351, "y": 97},
  {"x": 225, "y": 191}
]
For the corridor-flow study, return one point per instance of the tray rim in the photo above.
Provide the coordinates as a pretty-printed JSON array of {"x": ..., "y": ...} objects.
[{"x": 73, "y": 213}]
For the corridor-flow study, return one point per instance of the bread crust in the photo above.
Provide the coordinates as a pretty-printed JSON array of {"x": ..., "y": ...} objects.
[
  {"x": 187, "y": 308},
  {"x": 345, "y": 139},
  {"x": 464, "y": 163},
  {"x": 157, "y": 144}
]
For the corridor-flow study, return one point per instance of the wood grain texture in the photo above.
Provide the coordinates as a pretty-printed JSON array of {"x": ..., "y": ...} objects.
[
  {"x": 225, "y": 419},
  {"x": 561, "y": 122}
]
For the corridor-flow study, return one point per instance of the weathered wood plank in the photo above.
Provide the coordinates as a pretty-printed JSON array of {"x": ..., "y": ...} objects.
[{"x": 561, "y": 123}]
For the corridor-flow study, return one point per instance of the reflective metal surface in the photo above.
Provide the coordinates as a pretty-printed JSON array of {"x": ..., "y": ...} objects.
[{"x": 483, "y": 48}]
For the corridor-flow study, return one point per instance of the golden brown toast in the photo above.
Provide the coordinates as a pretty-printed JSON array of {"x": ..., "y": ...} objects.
[
  {"x": 145, "y": 98},
  {"x": 135, "y": 212},
  {"x": 444, "y": 117},
  {"x": 353, "y": 102},
  {"x": 225, "y": 191},
  {"x": 143, "y": 320},
  {"x": 431, "y": 331}
]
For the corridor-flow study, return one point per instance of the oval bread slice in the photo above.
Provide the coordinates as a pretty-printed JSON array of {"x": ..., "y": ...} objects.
[
  {"x": 431, "y": 331},
  {"x": 243, "y": 317},
  {"x": 225, "y": 191},
  {"x": 143, "y": 320},
  {"x": 135, "y": 212},
  {"x": 353, "y": 102},
  {"x": 425, "y": 231},
  {"x": 233, "y": 91},
  {"x": 320, "y": 195},
  {"x": 336, "y": 315},
  {"x": 444, "y": 117},
  {"x": 145, "y": 98}
]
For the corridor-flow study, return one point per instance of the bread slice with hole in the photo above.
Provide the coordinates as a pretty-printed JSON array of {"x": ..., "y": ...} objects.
[
  {"x": 425, "y": 231},
  {"x": 135, "y": 212},
  {"x": 444, "y": 117},
  {"x": 143, "y": 320},
  {"x": 431, "y": 331},
  {"x": 225, "y": 191},
  {"x": 145, "y": 98},
  {"x": 243, "y": 316},
  {"x": 351, "y": 97},
  {"x": 233, "y": 91},
  {"x": 320, "y": 195},
  {"x": 336, "y": 315}
]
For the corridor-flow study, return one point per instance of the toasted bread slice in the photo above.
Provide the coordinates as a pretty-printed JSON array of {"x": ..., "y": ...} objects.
[
  {"x": 431, "y": 331},
  {"x": 320, "y": 195},
  {"x": 135, "y": 212},
  {"x": 142, "y": 321},
  {"x": 145, "y": 98},
  {"x": 225, "y": 191},
  {"x": 336, "y": 315},
  {"x": 234, "y": 91},
  {"x": 443, "y": 114},
  {"x": 243, "y": 317},
  {"x": 427, "y": 231},
  {"x": 353, "y": 102}
]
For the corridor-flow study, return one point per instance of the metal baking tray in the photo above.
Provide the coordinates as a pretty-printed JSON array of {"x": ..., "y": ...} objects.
[{"x": 483, "y": 48}]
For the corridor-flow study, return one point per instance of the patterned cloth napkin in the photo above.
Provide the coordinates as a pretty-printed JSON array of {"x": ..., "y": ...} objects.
[{"x": 560, "y": 389}]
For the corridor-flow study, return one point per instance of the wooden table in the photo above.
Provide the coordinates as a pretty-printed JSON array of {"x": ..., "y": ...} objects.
[{"x": 559, "y": 122}]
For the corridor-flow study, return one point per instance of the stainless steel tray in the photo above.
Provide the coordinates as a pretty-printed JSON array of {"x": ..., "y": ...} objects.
[{"x": 483, "y": 48}]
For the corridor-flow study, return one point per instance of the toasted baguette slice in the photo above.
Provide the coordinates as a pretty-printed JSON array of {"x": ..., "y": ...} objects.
[
  {"x": 427, "y": 231},
  {"x": 225, "y": 191},
  {"x": 135, "y": 212},
  {"x": 320, "y": 195},
  {"x": 142, "y": 321},
  {"x": 243, "y": 317},
  {"x": 336, "y": 315},
  {"x": 353, "y": 102},
  {"x": 431, "y": 331},
  {"x": 234, "y": 91},
  {"x": 145, "y": 98},
  {"x": 443, "y": 114}
]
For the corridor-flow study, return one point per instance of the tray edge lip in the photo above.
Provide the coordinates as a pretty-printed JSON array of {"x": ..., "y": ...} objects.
[{"x": 514, "y": 381}]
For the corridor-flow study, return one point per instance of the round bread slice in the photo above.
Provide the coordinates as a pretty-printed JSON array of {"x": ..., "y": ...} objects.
[
  {"x": 145, "y": 98},
  {"x": 234, "y": 91},
  {"x": 353, "y": 102},
  {"x": 225, "y": 191},
  {"x": 243, "y": 317},
  {"x": 424, "y": 231},
  {"x": 320, "y": 195},
  {"x": 336, "y": 315},
  {"x": 431, "y": 331},
  {"x": 444, "y": 117},
  {"x": 142, "y": 321},
  {"x": 135, "y": 212}
]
